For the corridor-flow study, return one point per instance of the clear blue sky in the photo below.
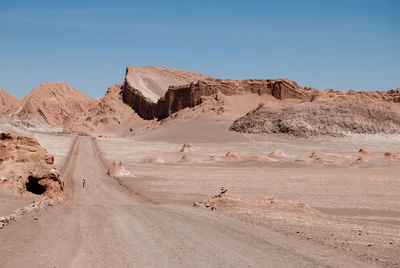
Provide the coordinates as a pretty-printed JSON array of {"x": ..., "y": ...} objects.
[{"x": 352, "y": 44}]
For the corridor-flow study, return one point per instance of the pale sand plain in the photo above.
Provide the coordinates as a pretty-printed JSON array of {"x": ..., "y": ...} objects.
[{"x": 350, "y": 218}]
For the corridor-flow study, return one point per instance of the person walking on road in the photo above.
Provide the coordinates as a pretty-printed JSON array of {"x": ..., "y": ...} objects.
[{"x": 83, "y": 182}]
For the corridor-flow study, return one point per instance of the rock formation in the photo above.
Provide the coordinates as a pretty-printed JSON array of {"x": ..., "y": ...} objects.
[
  {"x": 331, "y": 118},
  {"x": 264, "y": 203},
  {"x": 153, "y": 82},
  {"x": 158, "y": 92},
  {"x": 56, "y": 103},
  {"x": 392, "y": 155},
  {"x": 27, "y": 168},
  {"x": 61, "y": 106},
  {"x": 147, "y": 100},
  {"x": 233, "y": 156},
  {"x": 108, "y": 111},
  {"x": 117, "y": 170},
  {"x": 393, "y": 95},
  {"x": 390, "y": 96},
  {"x": 186, "y": 148},
  {"x": 144, "y": 86},
  {"x": 187, "y": 159},
  {"x": 365, "y": 152},
  {"x": 20, "y": 212},
  {"x": 8, "y": 103},
  {"x": 278, "y": 154}
]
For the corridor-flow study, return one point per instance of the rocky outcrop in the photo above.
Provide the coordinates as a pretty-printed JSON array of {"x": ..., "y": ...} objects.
[
  {"x": 117, "y": 170},
  {"x": 227, "y": 202},
  {"x": 144, "y": 87},
  {"x": 186, "y": 148},
  {"x": 66, "y": 108},
  {"x": 390, "y": 96},
  {"x": 394, "y": 95},
  {"x": 157, "y": 93},
  {"x": 180, "y": 97},
  {"x": 108, "y": 111},
  {"x": 189, "y": 95},
  {"x": 27, "y": 168},
  {"x": 8, "y": 103},
  {"x": 320, "y": 118},
  {"x": 20, "y": 212},
  {"x": 55, "y": 103},
  {"x": 153, "y": 82}
]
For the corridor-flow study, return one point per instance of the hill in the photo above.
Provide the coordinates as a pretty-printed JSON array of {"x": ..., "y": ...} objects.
[
  {"x": 8, "y": 103},
  {"x": 320, "y": 118}
]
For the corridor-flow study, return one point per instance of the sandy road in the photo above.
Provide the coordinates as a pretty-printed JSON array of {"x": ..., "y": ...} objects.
[{"x": 103, "y": 226}]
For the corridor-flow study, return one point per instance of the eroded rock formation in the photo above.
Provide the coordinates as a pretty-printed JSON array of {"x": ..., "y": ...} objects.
[
  {"x": 319, "y": 118},
  {"x": 27, "y": 168},
  {"x": 156, "y": 93},
  {"x": 117, "y": 170},
  {"x": 56, "y": 103},
  {"x": 178, "y": 97},
  {"x": 8, "y": 103},
  {"x": 64, "y": 107}
]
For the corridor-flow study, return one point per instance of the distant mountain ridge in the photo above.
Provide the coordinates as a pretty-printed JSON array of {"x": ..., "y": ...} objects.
[
  {"x": 143, "y": 92},
  {"x": 157, "y": 93}
]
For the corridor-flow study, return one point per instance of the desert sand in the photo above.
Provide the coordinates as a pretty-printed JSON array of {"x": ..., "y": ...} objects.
[{"x": 186, "y": 191}]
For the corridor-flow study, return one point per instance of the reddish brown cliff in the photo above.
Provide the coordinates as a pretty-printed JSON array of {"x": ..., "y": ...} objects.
[
  {"x": 189, "y": 95},
  {"x": 145, "y": 86}
]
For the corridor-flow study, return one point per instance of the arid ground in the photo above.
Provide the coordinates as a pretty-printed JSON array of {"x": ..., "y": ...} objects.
[
  {"x": 202, "y": 177},
  {"x": 352, "y": 217}
]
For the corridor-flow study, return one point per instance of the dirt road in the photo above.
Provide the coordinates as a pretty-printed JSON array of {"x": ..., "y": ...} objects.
[{"x": 104, "y": 226}]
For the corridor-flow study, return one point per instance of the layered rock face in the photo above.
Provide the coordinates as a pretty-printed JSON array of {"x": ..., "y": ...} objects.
[
  {"x": 27, "y": 168},
  {"x": 145, "y": 86},
  {"x": 153, "y": 82},
  {"x": 190, "y": 95},
  {"x": 8, "y": 103},
  {"x": 180, "y": 97}
]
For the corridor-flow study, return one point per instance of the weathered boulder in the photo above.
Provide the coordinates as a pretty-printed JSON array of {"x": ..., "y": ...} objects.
[
  {"x": 117, "y": 170},
  {"x": 186, "y": 148},
  {"x": 26, "y": 168}
]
